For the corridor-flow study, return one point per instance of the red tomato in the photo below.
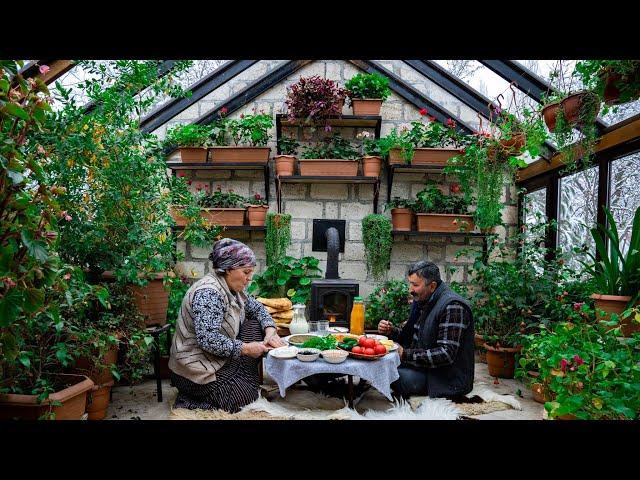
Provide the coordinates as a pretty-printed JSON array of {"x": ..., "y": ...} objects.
[
  {"x": 369, "y": 351},
  {"x": 380, "y": 349},
  {"x": 357, "y": 349},
  {"x": 362, "y": 341},
  {"x": 370, "y": 343}
]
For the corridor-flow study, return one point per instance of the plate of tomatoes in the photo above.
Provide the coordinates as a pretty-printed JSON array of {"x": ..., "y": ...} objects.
[{"x": 366, "y": 348}]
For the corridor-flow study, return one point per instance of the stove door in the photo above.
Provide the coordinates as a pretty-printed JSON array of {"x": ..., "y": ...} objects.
[{"x": 334, "y": 304}]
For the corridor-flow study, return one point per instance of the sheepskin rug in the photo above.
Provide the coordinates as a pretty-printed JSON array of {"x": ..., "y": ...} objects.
[{"x": 305, "y": 405}]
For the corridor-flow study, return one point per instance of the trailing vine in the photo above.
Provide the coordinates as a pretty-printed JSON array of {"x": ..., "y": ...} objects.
[
  {"x": 277, "y": 237},
  {"x": 376, "y": 235}
]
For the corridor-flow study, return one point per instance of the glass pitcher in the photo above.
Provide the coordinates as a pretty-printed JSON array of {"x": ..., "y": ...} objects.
[{"x": 298, "y": 323}]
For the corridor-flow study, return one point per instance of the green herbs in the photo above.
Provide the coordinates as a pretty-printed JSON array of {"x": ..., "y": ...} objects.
[
  {"x": 277, "y": 237},
  {"x": 321, "y": 343}
]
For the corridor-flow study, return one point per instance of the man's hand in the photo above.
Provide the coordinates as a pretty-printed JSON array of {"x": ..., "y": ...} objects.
[
  {"x": 254, "y": 349},
  {"x": 400, "y": 350},
  {"x": 384, "y": 327}
]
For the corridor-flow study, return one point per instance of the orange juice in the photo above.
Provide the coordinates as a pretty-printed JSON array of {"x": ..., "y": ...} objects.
[{"x": 357, "y": 317}]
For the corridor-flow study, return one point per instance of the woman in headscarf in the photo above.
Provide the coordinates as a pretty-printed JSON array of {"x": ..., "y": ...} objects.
[{"x": 221, "y": 333}]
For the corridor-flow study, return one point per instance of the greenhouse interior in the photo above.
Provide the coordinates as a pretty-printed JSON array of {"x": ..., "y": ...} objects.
[{"x": 177, "y": 241}]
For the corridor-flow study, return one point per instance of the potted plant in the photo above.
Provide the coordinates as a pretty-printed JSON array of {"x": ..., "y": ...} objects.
[
  {"x": 389, "y": 301},
  {"x": 377, "y": 239},
  {"x": 285, "y": 161},
  {"x": 614, "y": 81},
  {"x": 277, "y": 236},
  {"x": 437, "y": 212},
  {"x": 366, "y": 93},
  {"x": 179, "y": 288},
  {"x": 287, "y": 277},
  {"x": 616, "y": 275},
  {"x": 223, "y": 208},
  {"x": 371, "y": 154},
  {"x": 257, "y": 210},
  {"x": 249, "y": 133},
  {"x": 332, "y": 156},
  {"x": 424, "y": 144},
  {"x": 191, "y": 141},
  {"x": 401, "y": 214},
  {"x": 315, "y": 99}
]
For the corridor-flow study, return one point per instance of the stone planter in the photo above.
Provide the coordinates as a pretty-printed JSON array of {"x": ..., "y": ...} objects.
[
  {"x": 334, "y": 167},
  {"x": 72, "y": 395},
  {"x": 371, "y": 166},
  {"x": 193, "y": 154},
  {"x": 501, "y": 360},
  {"x": 285, "y": 165},
  {"x": 615, "y": 304},
  {"x": 257, "y": 215},
  {"x": 444, "y": 222},
  {"x": 240, "y": 154},
  {"x": 402, "y": 219},
  {"x": 366, "y": 106}
]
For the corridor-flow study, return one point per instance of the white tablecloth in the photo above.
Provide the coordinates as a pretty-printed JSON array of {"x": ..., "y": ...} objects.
[{"x": 380, "y": 373}]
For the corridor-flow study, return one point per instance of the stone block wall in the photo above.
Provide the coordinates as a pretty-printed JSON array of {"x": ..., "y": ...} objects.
[{"x": 352, "y": 202}]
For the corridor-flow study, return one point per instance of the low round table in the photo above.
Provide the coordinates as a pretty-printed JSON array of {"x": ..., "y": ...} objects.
[{"x": 380, "y": 373}]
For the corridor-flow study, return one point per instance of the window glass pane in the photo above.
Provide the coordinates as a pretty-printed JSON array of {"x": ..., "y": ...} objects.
[
  {"x": 578, "y": 203},
  {"x": 625, "y": 195},
  {"x": 535, "y": 207},
  {"x": 74, "y": 80}
]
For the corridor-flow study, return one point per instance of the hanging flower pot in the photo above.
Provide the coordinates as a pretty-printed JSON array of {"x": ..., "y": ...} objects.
[
  {"x": 515, "y": 143},
  {"x": 371, "y": 166},
  {"x": 574, "y": 106},
  {"x": 285, "y": 165},
  {"x": 549, "y": 113}
]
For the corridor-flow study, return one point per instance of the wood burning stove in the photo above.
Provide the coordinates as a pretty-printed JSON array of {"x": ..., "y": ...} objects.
[{"x": 331, "y": 297}]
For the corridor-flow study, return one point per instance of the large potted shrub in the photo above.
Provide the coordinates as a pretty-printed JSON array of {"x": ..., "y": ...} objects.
[
  {"x": 249, "y": 134},
  {"x": 617, "y": 276},
  {"x": 366, "y": 92},
  {"x": 285, "y": 162},
  {"x": 389, "y": 301},
  {"x": 287, "y": 277},
  {"x": 424, "y": 144},
  {"x": 191, "y": 141},
  {"x": 315, "y": 99},
  {"x": 401, "y": 214},
  {"x": 378, "y": 241},
  {"x": 332, "y": 156},
  {"x": 437, "y": 212}
]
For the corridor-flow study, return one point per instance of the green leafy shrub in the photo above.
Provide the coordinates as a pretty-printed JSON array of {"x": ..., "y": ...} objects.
[
  {"x": 431, "y": 200},
  {"x": 191, "y": 135},
  {"x": 365, "y": 85},
  {"x": 331, "y": 147},
  {"x": 287, "y": 277},
  {"x": 390, "y": 301}
]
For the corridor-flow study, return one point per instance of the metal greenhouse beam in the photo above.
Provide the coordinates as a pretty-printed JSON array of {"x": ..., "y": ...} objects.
[
  {"x": 412, "y": 95},
  {"x": 527, "y": 81},
  {"x": 199, "y": 90},
  {"x": 460, "y": 90},
  {"x": 254, "y": 90}
]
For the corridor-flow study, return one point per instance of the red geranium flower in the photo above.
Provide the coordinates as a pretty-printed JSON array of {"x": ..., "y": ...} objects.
[
  {"x": 455, "y": 188},
  {"x": 578, "y": 360},
  {"x": 450, "y": 123},
  {"x": 563, "y": 365},
  {"x": 423, "y": 111},
  {"x": 224, "y": 110}
]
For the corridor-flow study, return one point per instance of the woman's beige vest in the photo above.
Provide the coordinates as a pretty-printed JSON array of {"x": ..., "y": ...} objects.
[{"x": 187, "y": 358}]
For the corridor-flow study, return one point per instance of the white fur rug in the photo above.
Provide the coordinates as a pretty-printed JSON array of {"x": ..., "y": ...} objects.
[{"x": 306, "y": 405}]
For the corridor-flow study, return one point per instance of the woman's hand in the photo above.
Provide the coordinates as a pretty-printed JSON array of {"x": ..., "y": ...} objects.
[
  {"x": 273, "y": 340},
  {"x": 254, "y": 349}
]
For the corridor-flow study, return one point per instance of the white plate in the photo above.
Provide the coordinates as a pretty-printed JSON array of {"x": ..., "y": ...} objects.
[
  {"x": 376, "y": 337},
  {"x": 284, "y": 352},
  {"x": 286, "y": 339},
  {"x": 393, "y": 349}
]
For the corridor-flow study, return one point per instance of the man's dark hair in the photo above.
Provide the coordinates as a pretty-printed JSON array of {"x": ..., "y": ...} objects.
[{"x": 429, "y": 271}]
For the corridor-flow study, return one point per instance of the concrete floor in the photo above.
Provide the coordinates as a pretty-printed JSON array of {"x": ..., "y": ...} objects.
[{"x": 139, "y": 402}]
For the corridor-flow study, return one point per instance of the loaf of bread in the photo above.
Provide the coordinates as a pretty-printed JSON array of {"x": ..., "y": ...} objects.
[
  {"x": 276, "y": 303},
  {"x": 284, "y": 316}
]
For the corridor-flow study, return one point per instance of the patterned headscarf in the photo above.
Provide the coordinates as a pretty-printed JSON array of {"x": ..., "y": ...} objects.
[{"x": 228, "y": 254}]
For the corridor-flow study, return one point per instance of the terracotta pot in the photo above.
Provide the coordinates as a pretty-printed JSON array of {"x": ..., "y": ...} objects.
[
  {"x": 437, "y": 157},
  {"x": 333, "y": 167},
  {"x": 175, "y": 214},
  {"x": 257, "y": 215},
  {"x": 515, "y": 143},
  {"x": 366, "y": 106},
  {"x": 611, "y": 93},
  {"x": 573, "y": 104},
  {"x": 152, "y": 300},
  {"x": 395, "y": 157},
  {"x": 285, "y": 165},
  {"x": 479, "y": 349},
  {"x": 568, "y": 416},
  {"x": 371, "y": 166},
  {"x": 402, "y": 219},
  {"x": 549, "y": 113},
  {"x": 193, "y": 154},
  {"x": 240, "y": 154},
  {"x": 73, "y": 398},
  {"x": 224, "y": 216},
  {"x": 615, "y": 304},
  {"x": 98, "y": 374},
  {"x": 501, "y": 360},
  {"x": 98, "y": 401},
  {"x": 444, "y": 222}
]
